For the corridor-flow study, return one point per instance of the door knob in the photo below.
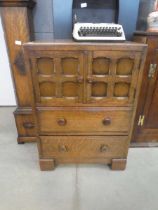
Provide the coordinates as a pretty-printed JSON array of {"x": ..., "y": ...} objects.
[
  {"x": 106, "y": 121},
  {"x": 62, "y": 122},
  {"x": 63, "y": 148},
  {"x": 28, "y": 125},
  {"x": 103, "y": 148}
]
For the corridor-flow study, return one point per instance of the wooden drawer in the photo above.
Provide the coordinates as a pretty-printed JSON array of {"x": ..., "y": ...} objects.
[
  {"x": 78, "y": 147},
  {"x": 25, "y": 125},
  {"x": 93, "y": 121}
]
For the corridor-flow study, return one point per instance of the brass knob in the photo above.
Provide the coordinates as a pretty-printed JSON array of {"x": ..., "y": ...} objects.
[
  {"x": 28, "y": 125},
  {"x": 103, "y": 148},
  {"x": 106, "y": 121},
  {"x": 63, "y": 148},
  {"x": 90, "y": 80},
  {"x": 80, "y": 79},
  {"x": 62, "y": 122}
]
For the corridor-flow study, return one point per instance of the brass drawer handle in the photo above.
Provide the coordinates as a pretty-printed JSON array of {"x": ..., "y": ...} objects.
[
  {"x": 28, "y": 125},
  {"x": 80, "y": 79},
  {"x": 103, "y": 148},
  {"x": 63, "y": 148},
  {"x": 106, "y": 121},
  {"x": 62, "y": 122}
]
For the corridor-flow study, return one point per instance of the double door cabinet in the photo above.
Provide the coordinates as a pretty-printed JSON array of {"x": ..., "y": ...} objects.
[{"x": 84, "y": 99}]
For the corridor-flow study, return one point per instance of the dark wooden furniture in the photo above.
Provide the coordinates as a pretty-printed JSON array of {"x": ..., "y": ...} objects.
[
  {"x": 146, "y": 126},
  {"x": 17, "y": 24},
  {"x": 84, "y": 97}
]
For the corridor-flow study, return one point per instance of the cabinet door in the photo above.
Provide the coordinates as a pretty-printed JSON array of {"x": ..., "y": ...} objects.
[
  {"x": 151, "y": 105},
  {"x": 146, "y": 127},
  {"x": 112, "y": 77},
  {"x": 57, "y": 77}
]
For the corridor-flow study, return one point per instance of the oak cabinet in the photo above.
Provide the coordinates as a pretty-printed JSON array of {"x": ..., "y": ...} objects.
[{"x": 84, "y": 98}]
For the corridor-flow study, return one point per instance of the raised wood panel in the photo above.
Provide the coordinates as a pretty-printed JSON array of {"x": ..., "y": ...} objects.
[
  {"x": 45, "y": 66},
  {"x": 100, "y": 66},
  {"x": 99, "y": 89},
  {"x": 47, "y": 89},
  {"x": 125, "y": 66},
  {"x": 70, "y": 89},
  {"x": 70, "y": 66},
  {"x": 121, "y": 89}
]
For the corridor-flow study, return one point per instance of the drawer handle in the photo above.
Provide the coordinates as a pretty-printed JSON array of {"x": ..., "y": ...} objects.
[
  {"x": 62, "y": 122},
  {"x": 106, "y": 121},
  {"x": 63, "y": 148},
  {"x": 103, "y": 148},
  {"x": 28, "y": 125}
]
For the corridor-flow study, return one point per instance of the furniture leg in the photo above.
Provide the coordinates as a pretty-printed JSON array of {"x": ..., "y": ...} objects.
[
  {"x": 47, "y": 164},
  {"x": 118, "y": 164}
]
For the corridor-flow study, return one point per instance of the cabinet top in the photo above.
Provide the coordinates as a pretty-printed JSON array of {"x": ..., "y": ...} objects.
[
  {"x": 17, "y": 3},
  {"x": 145, "y": 33},
  {"x": 72, "y": 45}
]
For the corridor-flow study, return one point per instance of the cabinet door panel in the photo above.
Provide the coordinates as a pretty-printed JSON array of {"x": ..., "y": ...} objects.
[
  {"x": 151, "y": 105},
  {"x": 146, "y": 132},
  {"x": 57, "y": 77},
  {"x": 152, "y": 121},
  {"x": 112, "y": 77}
]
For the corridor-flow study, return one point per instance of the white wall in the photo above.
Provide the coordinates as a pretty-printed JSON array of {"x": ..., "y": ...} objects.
[{"x": 7, "y": 96}]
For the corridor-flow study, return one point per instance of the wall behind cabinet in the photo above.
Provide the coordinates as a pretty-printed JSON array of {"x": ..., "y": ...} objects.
[
  {"x": 43, "y": 20},
  {"x": 53, "y": 18},
  {"x": 62, "y": 12},
  {"x": 7, "y": 96}
]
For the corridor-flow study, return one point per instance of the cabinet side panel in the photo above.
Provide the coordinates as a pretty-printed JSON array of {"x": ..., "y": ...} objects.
[{"x": 16, "y": 27}]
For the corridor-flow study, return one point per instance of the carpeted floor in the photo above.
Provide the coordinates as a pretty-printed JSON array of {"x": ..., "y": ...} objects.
[{"x": 72, "y": 187}]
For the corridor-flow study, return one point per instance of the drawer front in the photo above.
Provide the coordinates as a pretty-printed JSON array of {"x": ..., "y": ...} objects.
[
  {"x": 84, "y": 121},
  {"x": 78, "y": 147},
  {"x": 25, "y": 125}
]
